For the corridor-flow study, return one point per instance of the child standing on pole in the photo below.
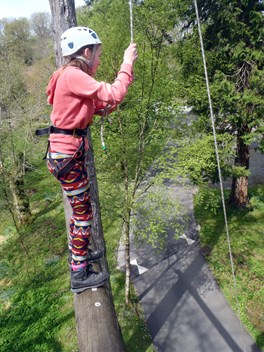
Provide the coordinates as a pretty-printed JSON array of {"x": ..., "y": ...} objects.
[{"x": 76, "y": 96}]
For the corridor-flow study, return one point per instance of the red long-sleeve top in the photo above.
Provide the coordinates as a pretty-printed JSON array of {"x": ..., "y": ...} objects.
[{"x": 76, "y": 97}]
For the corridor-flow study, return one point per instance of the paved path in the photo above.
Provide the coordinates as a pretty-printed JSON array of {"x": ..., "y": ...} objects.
[{"x": 184, "y": 308}]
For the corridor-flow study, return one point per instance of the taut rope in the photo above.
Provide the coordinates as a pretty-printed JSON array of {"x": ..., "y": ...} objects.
[
  {"x": 218, "y": 166},
  {"x": 131, "y": 21}
]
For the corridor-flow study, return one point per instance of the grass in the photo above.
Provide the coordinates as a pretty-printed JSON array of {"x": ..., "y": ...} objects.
[
  {"x": 36, "y": 305},
  {"x": 246, "y": 228}
]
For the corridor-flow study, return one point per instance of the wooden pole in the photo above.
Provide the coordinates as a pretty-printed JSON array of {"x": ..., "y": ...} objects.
[{"x": 97, "y": 325}]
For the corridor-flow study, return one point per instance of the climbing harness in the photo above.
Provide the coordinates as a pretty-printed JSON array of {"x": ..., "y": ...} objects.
[
  {"x": 131, "y": 21},
  {"x": 76, "y": 132},
  {"x": 62, "y": 168},
  {"x": 218, "y": 166}
]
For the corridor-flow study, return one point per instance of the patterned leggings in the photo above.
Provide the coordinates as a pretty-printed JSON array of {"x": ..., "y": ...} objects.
[{"x": 76, "y": 187}]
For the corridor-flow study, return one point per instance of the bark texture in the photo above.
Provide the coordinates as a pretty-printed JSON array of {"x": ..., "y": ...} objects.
[
  {"x": 63, "y": 17},
  {"x": 239, "y": 192},
  {"x": 17, "y": 187}
]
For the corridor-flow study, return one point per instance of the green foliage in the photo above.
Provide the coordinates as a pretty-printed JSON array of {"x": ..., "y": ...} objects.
[
  {"x": 196, "y": 157},
  {"x": 141, "y": 125},
  {"x": 35, "y": 301},
  {"x": 36, "y": 305},
  {"x": 20, "y": 105},
  {"x": 193, "y": 158},
  {"x": 232, "y": 35},
  {"x": 34, "y": 277},
  {"x": 209, "y": 199},
  {"x": 155, "y": 214},
  {"x": 25, "y": 41},
  {"x": 15, "y": 39}
]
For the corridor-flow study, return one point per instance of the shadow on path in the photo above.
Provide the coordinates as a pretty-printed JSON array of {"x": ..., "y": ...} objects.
[{"x": 184, "y": 308}]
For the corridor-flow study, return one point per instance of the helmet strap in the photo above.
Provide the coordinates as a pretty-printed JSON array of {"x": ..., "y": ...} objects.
[{"x": 89, "y": 63}]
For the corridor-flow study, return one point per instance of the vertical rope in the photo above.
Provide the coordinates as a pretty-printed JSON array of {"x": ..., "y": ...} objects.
[
  {"x": 219, "y": 167},
  {"x": 102, "y": 135},
  {"x": 131, "y": 21}
]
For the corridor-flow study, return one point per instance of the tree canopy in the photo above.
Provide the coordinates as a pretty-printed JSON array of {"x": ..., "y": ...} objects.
[
  {"x": 147, "y": 129},
  {"x": 233, "y": 41}
]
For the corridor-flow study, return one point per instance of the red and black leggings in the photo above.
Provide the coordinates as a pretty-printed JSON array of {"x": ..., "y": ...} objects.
[{"x": 76, "y": 186}]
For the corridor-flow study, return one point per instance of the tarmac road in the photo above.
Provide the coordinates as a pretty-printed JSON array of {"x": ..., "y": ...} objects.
[{"x": 183, "y": 305}]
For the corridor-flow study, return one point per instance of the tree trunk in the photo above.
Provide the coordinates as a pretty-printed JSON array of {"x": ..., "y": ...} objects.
[
  {"x": 127, "y": 210},
  {"x": 97, "y": 325},
  {"x": 17, "y": 188},
  {"x": 63, "y": 17},
  {"x": 19, "y": 206},
  {"x": 239, "y": 192},
  {"x": 128, "y": 265}
]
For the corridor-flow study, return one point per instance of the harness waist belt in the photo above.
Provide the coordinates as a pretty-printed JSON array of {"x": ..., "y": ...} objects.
[{"x": 76, "y": 132}]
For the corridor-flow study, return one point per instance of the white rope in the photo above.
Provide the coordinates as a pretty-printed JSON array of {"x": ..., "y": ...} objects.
[
  {"x": 104, "y": 114},
  {"x": 131, "y": 21},
  {"x": 102, "y": 135},
  {"x": 219, "y": 167}
]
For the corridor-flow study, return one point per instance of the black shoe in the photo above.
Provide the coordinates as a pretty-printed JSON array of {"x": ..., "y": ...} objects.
[
  {"x": 93, "y": 256},
  {"x": 87, "y": 278}
]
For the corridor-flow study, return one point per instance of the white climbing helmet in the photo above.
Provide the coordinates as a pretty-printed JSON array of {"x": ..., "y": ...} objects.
[{"x": 77, "y": 37}]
